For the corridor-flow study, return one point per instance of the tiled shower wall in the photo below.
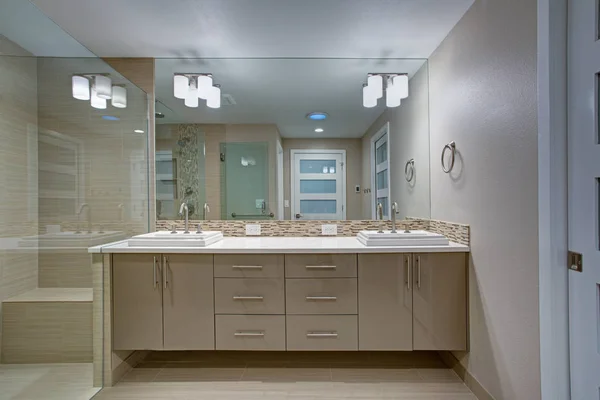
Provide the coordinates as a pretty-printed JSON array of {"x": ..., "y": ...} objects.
[{"x": 458, "y": 233}]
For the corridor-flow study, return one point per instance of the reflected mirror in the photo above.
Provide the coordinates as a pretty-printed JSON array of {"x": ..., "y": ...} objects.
[{"x": 292, "y": 139}]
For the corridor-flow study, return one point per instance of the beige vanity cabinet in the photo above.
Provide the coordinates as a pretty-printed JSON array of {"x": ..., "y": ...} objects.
[
  {"x": 440, "y": 301},
  {"x": 163, "y": 302},
  {"x": 385, "y": 303}
]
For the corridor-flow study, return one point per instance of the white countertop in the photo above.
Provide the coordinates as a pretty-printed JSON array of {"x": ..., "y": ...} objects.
[{"x": 274, "y": 245}]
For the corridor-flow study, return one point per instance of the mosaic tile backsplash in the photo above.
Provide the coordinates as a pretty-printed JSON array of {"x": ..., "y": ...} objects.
[{"x": 458, "y": 233}]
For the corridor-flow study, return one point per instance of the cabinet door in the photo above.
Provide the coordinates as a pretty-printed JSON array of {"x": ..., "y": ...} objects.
[
  {"x": 384, "y": 302},
  {"x": 137, "y": 302},
  {"x": 188, "y": 302},
  {"x": 440, "y": 301}
]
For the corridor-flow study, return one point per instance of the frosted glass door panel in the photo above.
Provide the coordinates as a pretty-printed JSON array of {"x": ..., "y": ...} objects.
[{"x": 318, "y": 185}]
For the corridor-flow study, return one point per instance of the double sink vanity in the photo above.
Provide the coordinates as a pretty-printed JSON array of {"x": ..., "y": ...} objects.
[{"x": 200, "y": 291}]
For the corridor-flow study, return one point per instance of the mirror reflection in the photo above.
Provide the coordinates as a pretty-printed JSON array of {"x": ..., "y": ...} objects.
[{"x": 293, "y": 139}]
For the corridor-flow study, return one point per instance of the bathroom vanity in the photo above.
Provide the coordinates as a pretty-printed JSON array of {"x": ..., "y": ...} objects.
[{"x": 294, "y": 294}]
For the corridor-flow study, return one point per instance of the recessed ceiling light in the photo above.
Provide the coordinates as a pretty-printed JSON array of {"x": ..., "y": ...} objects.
[
  {"x": 317, "y": 116},
  {"x": 138, "y": 131},
  {"x": 319, "y": 130},
  {"x": 110, "y": 118}
]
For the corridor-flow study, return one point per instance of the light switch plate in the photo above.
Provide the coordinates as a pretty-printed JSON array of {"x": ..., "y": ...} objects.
[
  {"x": 286, "y": 203},
  {"x": 252, "y": 230},
  {"x": 259, "y": 203},
  {"x": 329, "y": 230}
]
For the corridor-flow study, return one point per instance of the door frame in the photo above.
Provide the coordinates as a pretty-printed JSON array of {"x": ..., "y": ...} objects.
[
  {"x": 293, "y": 152},
  {"x": 385, "y": 129},
  {"x": 552, "y": 199}
]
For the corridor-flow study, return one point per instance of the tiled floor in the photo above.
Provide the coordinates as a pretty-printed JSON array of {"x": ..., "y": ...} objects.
[
  {"x": 303, "y": 377},
  {"x": 46, "y": 381}
]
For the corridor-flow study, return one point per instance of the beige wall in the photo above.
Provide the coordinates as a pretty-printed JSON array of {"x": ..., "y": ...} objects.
[
  {"x": 408, "y": 138},
  {"x": 483, "y": 96},
  {"x": 18, "y": 167},
  {"x": 353, "y": 171}
]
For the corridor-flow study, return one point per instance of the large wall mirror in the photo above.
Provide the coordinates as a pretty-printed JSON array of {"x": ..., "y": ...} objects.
[{"x": 293, "y": 139}]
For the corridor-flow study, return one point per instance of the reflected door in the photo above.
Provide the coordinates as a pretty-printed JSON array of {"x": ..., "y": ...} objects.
[
  {"x": 380, "y": 165},
  {"x": 318, "y": 184}
]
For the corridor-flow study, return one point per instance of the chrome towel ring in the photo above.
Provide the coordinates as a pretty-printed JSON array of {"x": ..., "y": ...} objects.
[
  {"x": 409, "y": 170},
  {"x": 452, "y": 147}
]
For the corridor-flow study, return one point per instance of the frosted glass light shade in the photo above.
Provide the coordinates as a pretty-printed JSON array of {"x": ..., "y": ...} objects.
[
  {"x": 369, "y": 100},
  {"x": 191, "y": 99},
  {"x": 103, "y": 87},
  {"x": 205, "y": 83},
  {"x": 401, "y": 83},
  {"x": 214, "y": 97},
  {"x": 392, "y": 94},
  {"x": 119, "y": 97},
  {"x": 96, "y": 101},
  {"x": 375, "y": 84},
  {"x": 180, "y": 86},
  {"x": 81, "y": 87}
]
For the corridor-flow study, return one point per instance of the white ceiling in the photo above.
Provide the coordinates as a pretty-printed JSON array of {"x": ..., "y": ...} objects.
[
  {"x": 282, "y": 92},
  {"x": 258, "y": 28}
]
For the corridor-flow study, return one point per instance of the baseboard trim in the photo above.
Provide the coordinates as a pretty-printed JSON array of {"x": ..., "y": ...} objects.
[
  {"x": 473, "y": 384},
  {"x": 127, "y": 365}
]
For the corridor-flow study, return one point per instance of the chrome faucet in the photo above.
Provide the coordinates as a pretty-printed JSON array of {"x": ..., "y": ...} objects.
[
  {"x": 205, "y": 211},
  {"x": 394, "y": 212},
  {"x": 89, "y": 217},
  {"x": 184, "y": 207},
  {"x": 380, "y": 214}
]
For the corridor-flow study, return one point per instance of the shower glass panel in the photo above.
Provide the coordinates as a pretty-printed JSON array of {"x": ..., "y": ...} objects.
[{"x": 245, "y": 180}]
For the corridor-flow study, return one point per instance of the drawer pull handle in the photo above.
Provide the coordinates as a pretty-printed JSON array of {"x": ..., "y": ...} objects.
[
  {"x": 322, "y": 334},
  {"x": 249, "y": 334},
  {"x": 321, "y": 267},
  {"x": 247, "y": 267},
  {"x": 242, "y": 298},
  {"x": 321, "y": 298}
]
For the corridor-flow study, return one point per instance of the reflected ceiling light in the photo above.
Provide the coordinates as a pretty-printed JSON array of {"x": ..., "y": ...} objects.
[
  {"x": 110, "y": 118},
  {"x": 319, "y": 130},
  {"x": 375, "y": 84},
  {"x": 205, "y": 83},
  {"x": 317, "y": 116},
  {"x": 119, "y": 96},
  {"x": 214, "y": 97},
  {"x": 369, "y": 99},
  {"x": 96, "y": 101},
  {"x": 80, "y": 86},
  {"x": 180, "y": 86},
  {"x": 191, "y": 99},
  {"x": 392, "y": 95},
  {"x": 138, "y": 131},
  {"x": 396, "y": 89},
  {"x": 103, "y": 86}
]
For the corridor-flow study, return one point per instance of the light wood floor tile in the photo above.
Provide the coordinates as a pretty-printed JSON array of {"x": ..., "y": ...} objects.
[
  {"x": 287, "y": 374},
  {"x": 199, "y": 374}
]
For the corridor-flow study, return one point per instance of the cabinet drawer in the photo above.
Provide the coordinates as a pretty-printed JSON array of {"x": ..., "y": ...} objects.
[
  {"x": 320, "y": 266},
  {"x": 321, "y": 296},
  {"x": 249, "y": 296},
  {"x": 250, "y": 332},
  {"x": 249, "y": 266},
  {"x": 322, "y": 332}
]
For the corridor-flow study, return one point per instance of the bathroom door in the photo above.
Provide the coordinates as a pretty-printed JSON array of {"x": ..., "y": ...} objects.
[
  {"x": 584, "y": 195},
  {"x": 318, "y": 184}
]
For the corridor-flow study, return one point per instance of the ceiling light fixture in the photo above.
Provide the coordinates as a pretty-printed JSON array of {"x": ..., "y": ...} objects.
[
  {"x": 97, "y": 88},
  {"x": 319, "y": 130},
  {"x": 180, "y": 86},
  {"x": 214, "y": 97},
  {"x": 103, "y": 86},
  {"x": 138, "y": 131},
  {"x": 317, "y": 116},
  {"x": 80, "y": 86},
  {"x": 191, "y": 87},
  {"x": 191, "y": 98},
  {"x": 396, "y": 89},
  {"x": 119, "y": 96},
  {"x": 205, "y": 83},
  {"x": 96, "y": 101}
]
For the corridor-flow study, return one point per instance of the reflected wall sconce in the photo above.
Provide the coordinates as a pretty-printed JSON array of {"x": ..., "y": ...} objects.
[
  {"x": 97, "y": 89},
  {"x": 396, "y": 89},
  {"x": 192, "y": 87}
]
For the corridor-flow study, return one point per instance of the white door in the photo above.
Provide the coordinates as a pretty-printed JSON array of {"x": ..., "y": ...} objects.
[
  {"x": 318, "y": 184},
  {"x": 380, "y": 176},
  {"x": 584, "y": 194}
]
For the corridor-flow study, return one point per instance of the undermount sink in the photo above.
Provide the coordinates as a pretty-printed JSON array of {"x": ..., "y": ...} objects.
[
  {"x": 401, "y": 238},
  {"x": 176, "y": 239}
]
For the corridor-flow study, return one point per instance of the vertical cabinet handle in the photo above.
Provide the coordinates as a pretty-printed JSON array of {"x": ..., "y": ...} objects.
[
  {"x": 154, "y": 272},
  {"x": 419, "y": 272},
  {"x": 408, "y": 268},
  {"x": 166, "y": 267}
]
